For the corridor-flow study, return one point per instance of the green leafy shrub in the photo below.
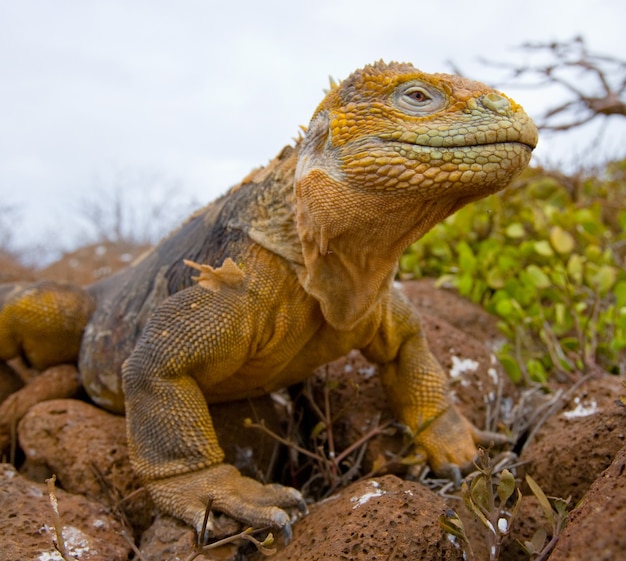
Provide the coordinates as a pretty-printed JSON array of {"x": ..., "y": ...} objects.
[{"x": 547, "y": 256}]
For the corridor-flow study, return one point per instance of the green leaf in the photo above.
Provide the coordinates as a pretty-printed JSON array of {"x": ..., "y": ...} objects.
[
  {"x": 511, "y": 367},
  {"x": 479, "y": 491},
  {"x": 495, "y": 279},
  {"x": 452, "y": 524},
  {"x": 318, "y": 429},
  {"x": 506, "y": 486},
  {"x": 593, "y": 253},
  {"x": 542, "y": 499},
  {"x": 620, "y": 294},
  {"x": 562, "y": 241},
  {"x": 560, "y": 313},
  {"x": 467, "y": 259},
  {"x": 464, "y": 284},
  {"x": 515, "y": 230},
  {"x": 408, "y": 261},
  {"x": 575, "y": 267},
  {"x": 605, "y": 278},
  {"x": 560, "y": 505},
  {"x": 542, "y": 247},
  {"x": 538, "y": 278},
  {"x": 506, "y": 308},
  {"x": 570, "y": 343},
  {"x": 537, "y": 542},
  {"x": 441, "y": 249},
  {"x": 536, "y": 371},
  {"x": 588, "y": 220}
]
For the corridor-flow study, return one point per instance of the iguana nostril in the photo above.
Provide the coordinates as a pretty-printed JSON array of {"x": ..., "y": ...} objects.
[{"x": 496, "y": 103}]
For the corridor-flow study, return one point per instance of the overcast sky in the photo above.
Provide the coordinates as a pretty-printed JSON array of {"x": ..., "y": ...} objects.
[{"x": 197, "y": 93}]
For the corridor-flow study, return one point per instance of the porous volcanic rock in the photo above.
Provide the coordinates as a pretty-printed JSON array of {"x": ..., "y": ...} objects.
[
  {"x": 10, "y": 381},
  {"x": 596, "y": 529},
  {"x": 169, "y": 539},
  {"x": 54, "y": 383},
  {"x": 574, "y": 446},
  {"x": 86, "y": 448},
  {"x": 450, "y": 306},
  {"x": 384, "y": 518},
  {"x": 92, "y": 262},
  {"x": 27, "y": 523}
]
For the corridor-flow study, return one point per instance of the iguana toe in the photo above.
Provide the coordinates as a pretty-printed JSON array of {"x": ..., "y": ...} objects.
[
  {"x": 241, "y": 498},
  {"x": 450, "y": 443}
]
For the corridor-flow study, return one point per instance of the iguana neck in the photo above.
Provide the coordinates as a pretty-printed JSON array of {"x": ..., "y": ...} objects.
[{"x": 351, "y": 247}]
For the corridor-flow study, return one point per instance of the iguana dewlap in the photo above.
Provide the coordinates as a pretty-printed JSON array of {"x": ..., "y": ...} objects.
[{"x": 293, "y": 268}]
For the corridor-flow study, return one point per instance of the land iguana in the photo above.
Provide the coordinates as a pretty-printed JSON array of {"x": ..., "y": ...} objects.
[{"x": 290, "y": 269}]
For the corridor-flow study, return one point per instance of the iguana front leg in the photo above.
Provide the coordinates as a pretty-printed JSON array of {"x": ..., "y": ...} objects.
[
  {"x": 416, "y": 386},
  {"x": 195, "y": 340}
]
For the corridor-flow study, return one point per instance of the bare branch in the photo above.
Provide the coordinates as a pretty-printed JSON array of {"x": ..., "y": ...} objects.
[{"x": 595, "y": 83}]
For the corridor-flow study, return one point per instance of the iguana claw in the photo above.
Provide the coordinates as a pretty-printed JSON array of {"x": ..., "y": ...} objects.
[{"x": 450, "y": 443}]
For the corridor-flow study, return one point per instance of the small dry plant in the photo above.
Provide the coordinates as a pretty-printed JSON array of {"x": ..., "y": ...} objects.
[
  {"x": 494, "y": 500},
  {"x": 314, "y": 457}
]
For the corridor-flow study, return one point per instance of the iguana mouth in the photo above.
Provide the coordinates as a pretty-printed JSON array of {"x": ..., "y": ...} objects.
[
  {"x": 476, "y": 145},
  {"x": 405, "y": 148},
  {"x": 527, "y": 145},
  {"x": 526, "y": 138}
]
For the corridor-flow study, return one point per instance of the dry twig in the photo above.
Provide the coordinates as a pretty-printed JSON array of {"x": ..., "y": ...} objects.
[{"x": 595, "y": 84}]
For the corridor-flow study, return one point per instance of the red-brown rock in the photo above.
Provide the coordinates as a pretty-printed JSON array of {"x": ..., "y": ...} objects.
[
  {"x": 597, "y": 527},
  {"x": 27, "y": 523},
  {"x": 376, "y": 519},
  {"x": 573, "y": 447}
]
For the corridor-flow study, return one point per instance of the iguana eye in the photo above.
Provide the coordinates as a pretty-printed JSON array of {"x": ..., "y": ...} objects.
[{"x": 418, "y": 98}]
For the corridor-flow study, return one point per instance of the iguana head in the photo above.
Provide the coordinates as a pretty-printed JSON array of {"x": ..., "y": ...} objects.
[
  {"x": 390, "y": 152},
  {"x": 390, "y": 127}
]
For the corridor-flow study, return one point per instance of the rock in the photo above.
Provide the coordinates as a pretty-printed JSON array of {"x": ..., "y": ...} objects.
[
  {"x": 591, "y": 428},
  {"x": 27, "y": 523},
  {"x": 54, "y": 383},
  {"x": 92, "y": 262},
  {"x": 172, "y": 540},
  {"x": 596, "y": 529},
  {"x": 11, "y": 270},
  {"x": 476, "y": 377},
  {"x": 86, "y": 448},
  {"x": 169, "y": 539},
  {"x": 9, "y": 381},
  {"x": 454, "y": 309},
  {"x": 375, "y": 519}
]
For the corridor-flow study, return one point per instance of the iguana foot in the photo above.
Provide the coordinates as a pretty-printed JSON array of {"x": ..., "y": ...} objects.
[
  {"x": 450, "y": 443},
  {"x": 242, "y": 498}
]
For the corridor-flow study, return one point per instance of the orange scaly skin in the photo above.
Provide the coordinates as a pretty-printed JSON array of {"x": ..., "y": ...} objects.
[{"x": 294, "y": 269}]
